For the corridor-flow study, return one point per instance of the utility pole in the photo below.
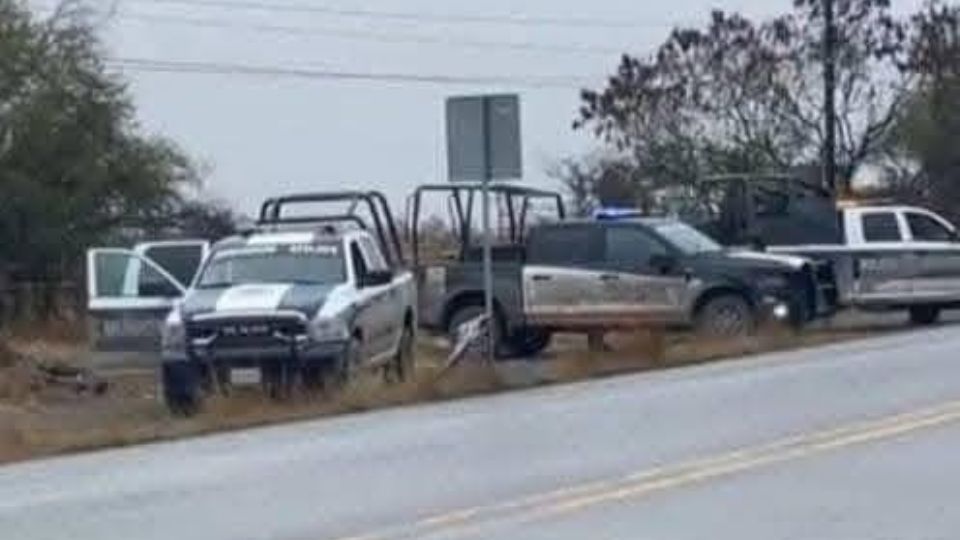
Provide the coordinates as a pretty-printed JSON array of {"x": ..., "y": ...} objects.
[{"x": 829, "y": 96}]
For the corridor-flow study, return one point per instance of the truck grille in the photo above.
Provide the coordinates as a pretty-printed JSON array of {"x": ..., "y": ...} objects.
[
  {"x": 826, "y": 282},
  {"x": 231, "y": 333}
]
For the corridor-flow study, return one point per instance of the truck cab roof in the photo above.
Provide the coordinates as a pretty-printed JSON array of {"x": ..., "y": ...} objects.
[
  {"x": 894, "y": 225},
  {"x": 308, "y": 236}
]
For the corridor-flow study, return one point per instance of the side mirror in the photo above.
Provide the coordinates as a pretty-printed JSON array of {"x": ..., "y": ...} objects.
[
  {"x": 375, "y": 278},
  {"x": 663, "y": 263}
]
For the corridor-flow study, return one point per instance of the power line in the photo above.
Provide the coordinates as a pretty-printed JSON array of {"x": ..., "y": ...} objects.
[
  {"x": 315, "y": 31},
  {"x": 232, "y": 69},
  {"x": 511, "y": 19}
]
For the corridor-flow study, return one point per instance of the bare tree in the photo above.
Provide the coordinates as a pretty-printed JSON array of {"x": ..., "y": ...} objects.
[{"x": 740, "y": 96}]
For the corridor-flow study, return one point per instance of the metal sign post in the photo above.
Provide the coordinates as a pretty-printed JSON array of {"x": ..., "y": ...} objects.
[
  {"x": 483, "y": 143},
  {"x": 490, "y": 345}
]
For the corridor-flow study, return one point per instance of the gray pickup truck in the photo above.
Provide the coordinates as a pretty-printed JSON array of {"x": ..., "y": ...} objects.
[{"x": 598, "y": 274}]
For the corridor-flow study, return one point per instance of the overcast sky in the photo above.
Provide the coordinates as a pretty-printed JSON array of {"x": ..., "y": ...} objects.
[{"x": 260, "y": 136}]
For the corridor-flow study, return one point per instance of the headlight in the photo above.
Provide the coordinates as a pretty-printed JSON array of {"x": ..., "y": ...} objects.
[
  {"x": 772, "y": 282},
  {"x": 174, "y": 335},
  {"x": 328, "y": 330}
]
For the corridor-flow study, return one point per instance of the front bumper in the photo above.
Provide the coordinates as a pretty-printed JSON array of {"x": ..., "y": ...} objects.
[
  {"x": 796, "y": 301},
  {"x": 253, "y": 355},
  {"x": 249, "y": 341},
  {"x": 777, "y": 309}
]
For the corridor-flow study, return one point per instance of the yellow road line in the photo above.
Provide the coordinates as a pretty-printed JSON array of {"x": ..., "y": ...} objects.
[{"x": 652, "y": 480}]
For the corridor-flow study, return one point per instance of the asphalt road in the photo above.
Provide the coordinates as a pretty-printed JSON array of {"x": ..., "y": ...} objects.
[{"x": 852, "y": 441}]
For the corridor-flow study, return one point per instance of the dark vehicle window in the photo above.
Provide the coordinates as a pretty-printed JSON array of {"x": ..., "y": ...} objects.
[
  {"x": 181, "y": 261},
  {"x": 372, "y": 253},
  {"x": 360, "y": 267},
  {"x": 152, "y": 284},
  {"x": 578, "y": 246},
  {"x": 881, "y": 227},
  {"x": 770, "y": 202},
  {"x": 630, "y": 248},
  {"x": 687, "y": 239},
  {"x": 926, "y": 229},
  {"x": 308, "y": 264}
]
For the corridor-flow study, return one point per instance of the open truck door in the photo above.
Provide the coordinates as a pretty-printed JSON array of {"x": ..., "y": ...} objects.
[{"x": 130, "y": 292}]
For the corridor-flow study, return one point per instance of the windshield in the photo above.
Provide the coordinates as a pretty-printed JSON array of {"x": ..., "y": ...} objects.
[
  {"x": 309, "y": 264},
  {"x": 687, "y": 239}
]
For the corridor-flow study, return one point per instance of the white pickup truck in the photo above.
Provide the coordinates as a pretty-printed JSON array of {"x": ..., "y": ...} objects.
[
  {"x": 891, "y": 258},
  {"x": 882, "y": 257},
  {"x": 300, "y": 299}
]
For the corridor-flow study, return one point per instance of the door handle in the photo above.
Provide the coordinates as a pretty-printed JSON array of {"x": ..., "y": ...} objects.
[
  {"x": 609, "y": 277},
  {"x": 541, "y": 277}
]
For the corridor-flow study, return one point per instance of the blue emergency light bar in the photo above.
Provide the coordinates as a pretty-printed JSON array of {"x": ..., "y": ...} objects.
[{"x": 612, "y": 214}]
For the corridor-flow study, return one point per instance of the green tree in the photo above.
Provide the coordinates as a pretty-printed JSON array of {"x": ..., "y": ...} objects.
[{"x": 74, "y": 163}]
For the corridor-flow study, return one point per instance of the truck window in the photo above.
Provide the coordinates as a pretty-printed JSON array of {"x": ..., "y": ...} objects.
[
  {"x": 770, "y": 202},
  {"x": 881, "y": 227},
  {"x": 630, "y": 248},
  {"x": 151, "y": 283},
  {"x": 565, "y": 245},
  {"x": 371, "y": 253},
  {"x": 926, "y": 229},
  {"x": 357, "y": 261},
  {"x": 181, "y": 261}
]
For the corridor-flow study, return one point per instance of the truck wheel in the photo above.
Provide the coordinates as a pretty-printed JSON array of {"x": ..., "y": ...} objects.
[
  {"x": 339, "y": 371},
  {"x": 401, "y": 366},
  {"x": 469, "y": 312},
  {"x": 214, "y": 378},
  {"x": 277, "y": 377},
  {"x": 725, "y": 316},
  {"x": 924, "y": 315},
  {"x": 311, "y": 376},
  {"x": 529, "y": 341},
  {"x": 181, "y": 386}
]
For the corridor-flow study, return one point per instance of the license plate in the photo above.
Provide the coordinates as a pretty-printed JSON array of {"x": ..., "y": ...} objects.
[{"x": 245, "y": 376}]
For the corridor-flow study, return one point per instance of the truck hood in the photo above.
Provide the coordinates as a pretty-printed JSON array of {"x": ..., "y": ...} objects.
[
  {"x": 790, "y": 260},
  {"x": 266, "y": 297},
  {"x": 747, "y": 261}
]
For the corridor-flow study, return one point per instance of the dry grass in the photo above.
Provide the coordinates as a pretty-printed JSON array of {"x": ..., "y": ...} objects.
[
  {"x": 51, "y": 332},
  {"x": 38, "y": 420},
  {"x": 41, "y": 420}
]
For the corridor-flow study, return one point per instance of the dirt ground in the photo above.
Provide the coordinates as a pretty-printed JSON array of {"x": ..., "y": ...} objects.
[{"x": 43, "y": 416}]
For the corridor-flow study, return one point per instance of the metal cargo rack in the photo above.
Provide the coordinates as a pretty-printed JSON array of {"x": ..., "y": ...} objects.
[
  {"x": 384, "y": 227},
  {"x": 461, "y": 197}
]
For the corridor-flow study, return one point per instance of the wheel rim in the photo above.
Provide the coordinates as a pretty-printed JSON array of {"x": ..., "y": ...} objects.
[{"x": 728, "y": 318}]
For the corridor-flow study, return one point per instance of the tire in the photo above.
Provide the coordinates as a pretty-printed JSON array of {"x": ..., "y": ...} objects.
[
  {"x": 182, "y": 388},
  {"x": 277, "y": 376},
  {"x": 338, "y": 373},
  {"x": 280, "y": 377},
  {"x": 468, "y": 312},
  {"x": 214, "y": 378},
  {"x": 312, "y": 376},
  {"x": 924, "y": 315},
  {"x": 529, "y": 341},
  {"x": 725, "y": 316},
  {"x": 402, "y": 367}
]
